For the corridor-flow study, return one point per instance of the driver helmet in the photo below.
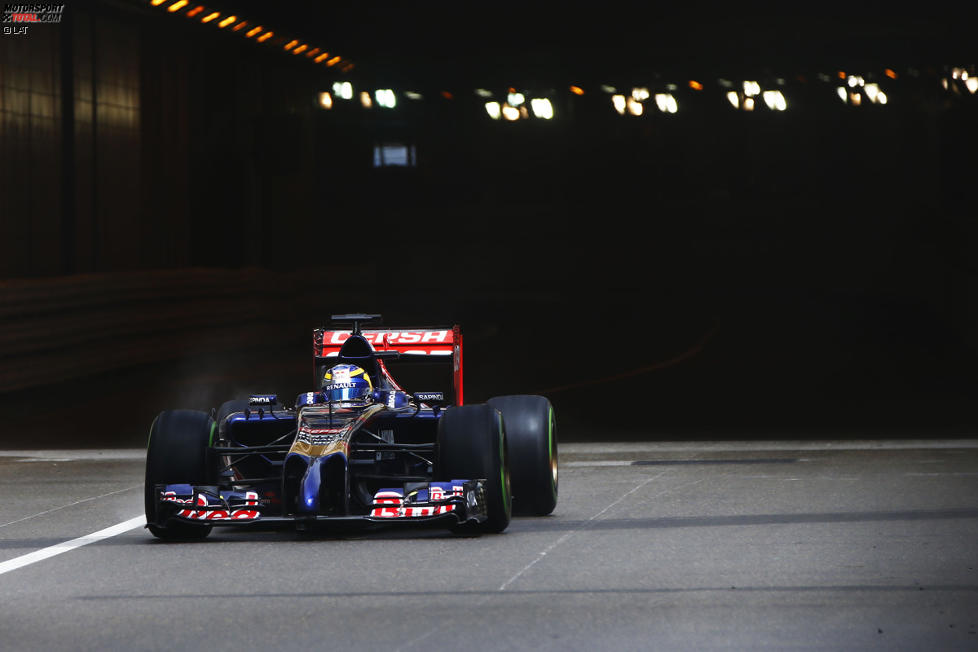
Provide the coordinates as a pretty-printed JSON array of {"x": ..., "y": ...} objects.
[{"x": 347, "y": 383}]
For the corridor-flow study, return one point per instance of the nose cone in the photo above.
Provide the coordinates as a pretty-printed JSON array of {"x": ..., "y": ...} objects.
[{"x": 309, "y": 488}]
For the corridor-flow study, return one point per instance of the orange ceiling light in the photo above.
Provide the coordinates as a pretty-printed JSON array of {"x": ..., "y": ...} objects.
[
  {"x": 695, "y": 85},
  {"x": 841, "y": 75},
  {"x": 196, "y": 10},
  {"x": 889, "y": 72},
  {"x": 313, "y": 52},
  {"x": 447, "y": 95},
  {"x": 320, "y": 58},
  {"x": 291, "y": 44},
  {"x": 157, "y": 3},
  {"x": 577, "y": 90},
  {"x": 239, "y": 26},
  {"x": 264, "y": 37},
  {"x": 251, "y": 32},
  {"x": 332, "y": 62},
  {"x": 177, "y": 6},
  {"x": 299, "y": 50},
  {"x": 227, "y": 21},
  {"x": 211, "y": 16}
]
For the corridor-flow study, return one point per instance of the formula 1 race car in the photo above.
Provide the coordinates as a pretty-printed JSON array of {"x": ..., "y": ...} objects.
[{"x": 357, "y": 451}]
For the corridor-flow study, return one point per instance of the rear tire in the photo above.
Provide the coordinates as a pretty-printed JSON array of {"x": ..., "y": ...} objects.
[
  {"x": 472, "y": 445},
  {"x": 177, "y": 454},
  {"x": 531, "y": 433},
  {"x": 228, "y": 408}
]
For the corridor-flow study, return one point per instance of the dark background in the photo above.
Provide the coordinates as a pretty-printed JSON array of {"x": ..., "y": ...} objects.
[{"x": 178, "y": 213}]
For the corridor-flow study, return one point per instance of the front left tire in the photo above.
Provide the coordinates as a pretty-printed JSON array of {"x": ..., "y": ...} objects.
[{"x": 472, "y": 445}]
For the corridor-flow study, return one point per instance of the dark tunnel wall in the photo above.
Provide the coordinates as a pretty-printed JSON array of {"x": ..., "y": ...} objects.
[{"x": 806, "y": 268}]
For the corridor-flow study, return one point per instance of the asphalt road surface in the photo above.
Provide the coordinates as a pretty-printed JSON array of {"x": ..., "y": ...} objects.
[{"x": 669, "y": 546}]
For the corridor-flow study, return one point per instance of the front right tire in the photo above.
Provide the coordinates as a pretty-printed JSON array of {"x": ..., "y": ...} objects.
[
  {"x": 531, "y": 432},
  {"x": 177, "y": 454}
]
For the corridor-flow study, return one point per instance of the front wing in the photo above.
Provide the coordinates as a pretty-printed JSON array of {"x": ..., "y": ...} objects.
[{"x": 457, "y": 502}]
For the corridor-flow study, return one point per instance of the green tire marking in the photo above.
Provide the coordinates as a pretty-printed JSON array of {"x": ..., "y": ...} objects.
[
  {"x": 550, "y": 431},
  {"x": 502, "y": 460},
  {"x": 210, "y": 441}
]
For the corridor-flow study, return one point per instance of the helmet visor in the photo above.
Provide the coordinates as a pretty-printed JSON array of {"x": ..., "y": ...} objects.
[{"x": 345, "y": 392}]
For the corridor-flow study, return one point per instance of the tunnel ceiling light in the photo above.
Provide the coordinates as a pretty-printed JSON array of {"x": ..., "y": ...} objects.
[
  {"x": 775, "y": 100},
  {"x": 972, "y": 85},
  {"x": 482, "y": 92},
  {"x": 882, "y": 99},
  {"x": 842, "y": 93},
  {"x": 332, "y": 62},
  {"x": 640, "y": 94},
  {"x": 264, "y": 37},
  {"x": 634, "y": 106},
  {"x": 157, "y": 3},
  {"x": 890, "y": 73},
  {"x": 734, "y": 99},
  {"x": 542, "y": 108},
  {"x": 494, "y": 110},
  {"x": 514, "y": 98},
  {"x": 321, "y": 57},
  {"x": 177, "y": 6},
  {"x": 666, "y": 102},
  {"x": 411, "y": 95},
  {"x": 752, "y": 88},
  {"x": 365, "y": 99},
  {"x": 211, "y": 16},
  {"x": 240, "y": 26},
  {"x": 326, "y": 100},
  {"x": 872, "y": 91},
  {"x": 311, "y": 53},
  {"x": 748, "y": 104},
  {"x": 196, "y": 10},
  {"x": 577, "y": 90},
  {"x": 510, "y": 113},
  {"x": 609, "y": 89},
  {"x": 253, "y": 31},
  {"x": 299, "y": 50},
  {"x": 227, "y": 21},
  {"x": 695, "y": 85},
  {"x": 343, "y": 89},
  {"x": 291, "y": 44},
  {"x": 385, "y": 97},
  {"x": 447, "y": 95},
  {"x": 618, "y": 101}
]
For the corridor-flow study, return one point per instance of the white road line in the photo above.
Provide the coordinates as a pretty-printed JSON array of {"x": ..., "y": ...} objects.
[
  {"x": 597, "y": 463},
  {"x": 77, "y": 502},
  {"x": 543, "y": 553},
  {"x": 966, "y": 442},
  {"x": 51, "y": 551}
]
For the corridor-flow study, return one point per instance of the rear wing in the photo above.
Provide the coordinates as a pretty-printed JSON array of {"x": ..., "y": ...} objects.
[{"x": 437, "y": 345}]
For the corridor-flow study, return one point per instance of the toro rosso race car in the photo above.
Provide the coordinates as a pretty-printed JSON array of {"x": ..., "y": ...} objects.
[{"x": 359, "y": 450}]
